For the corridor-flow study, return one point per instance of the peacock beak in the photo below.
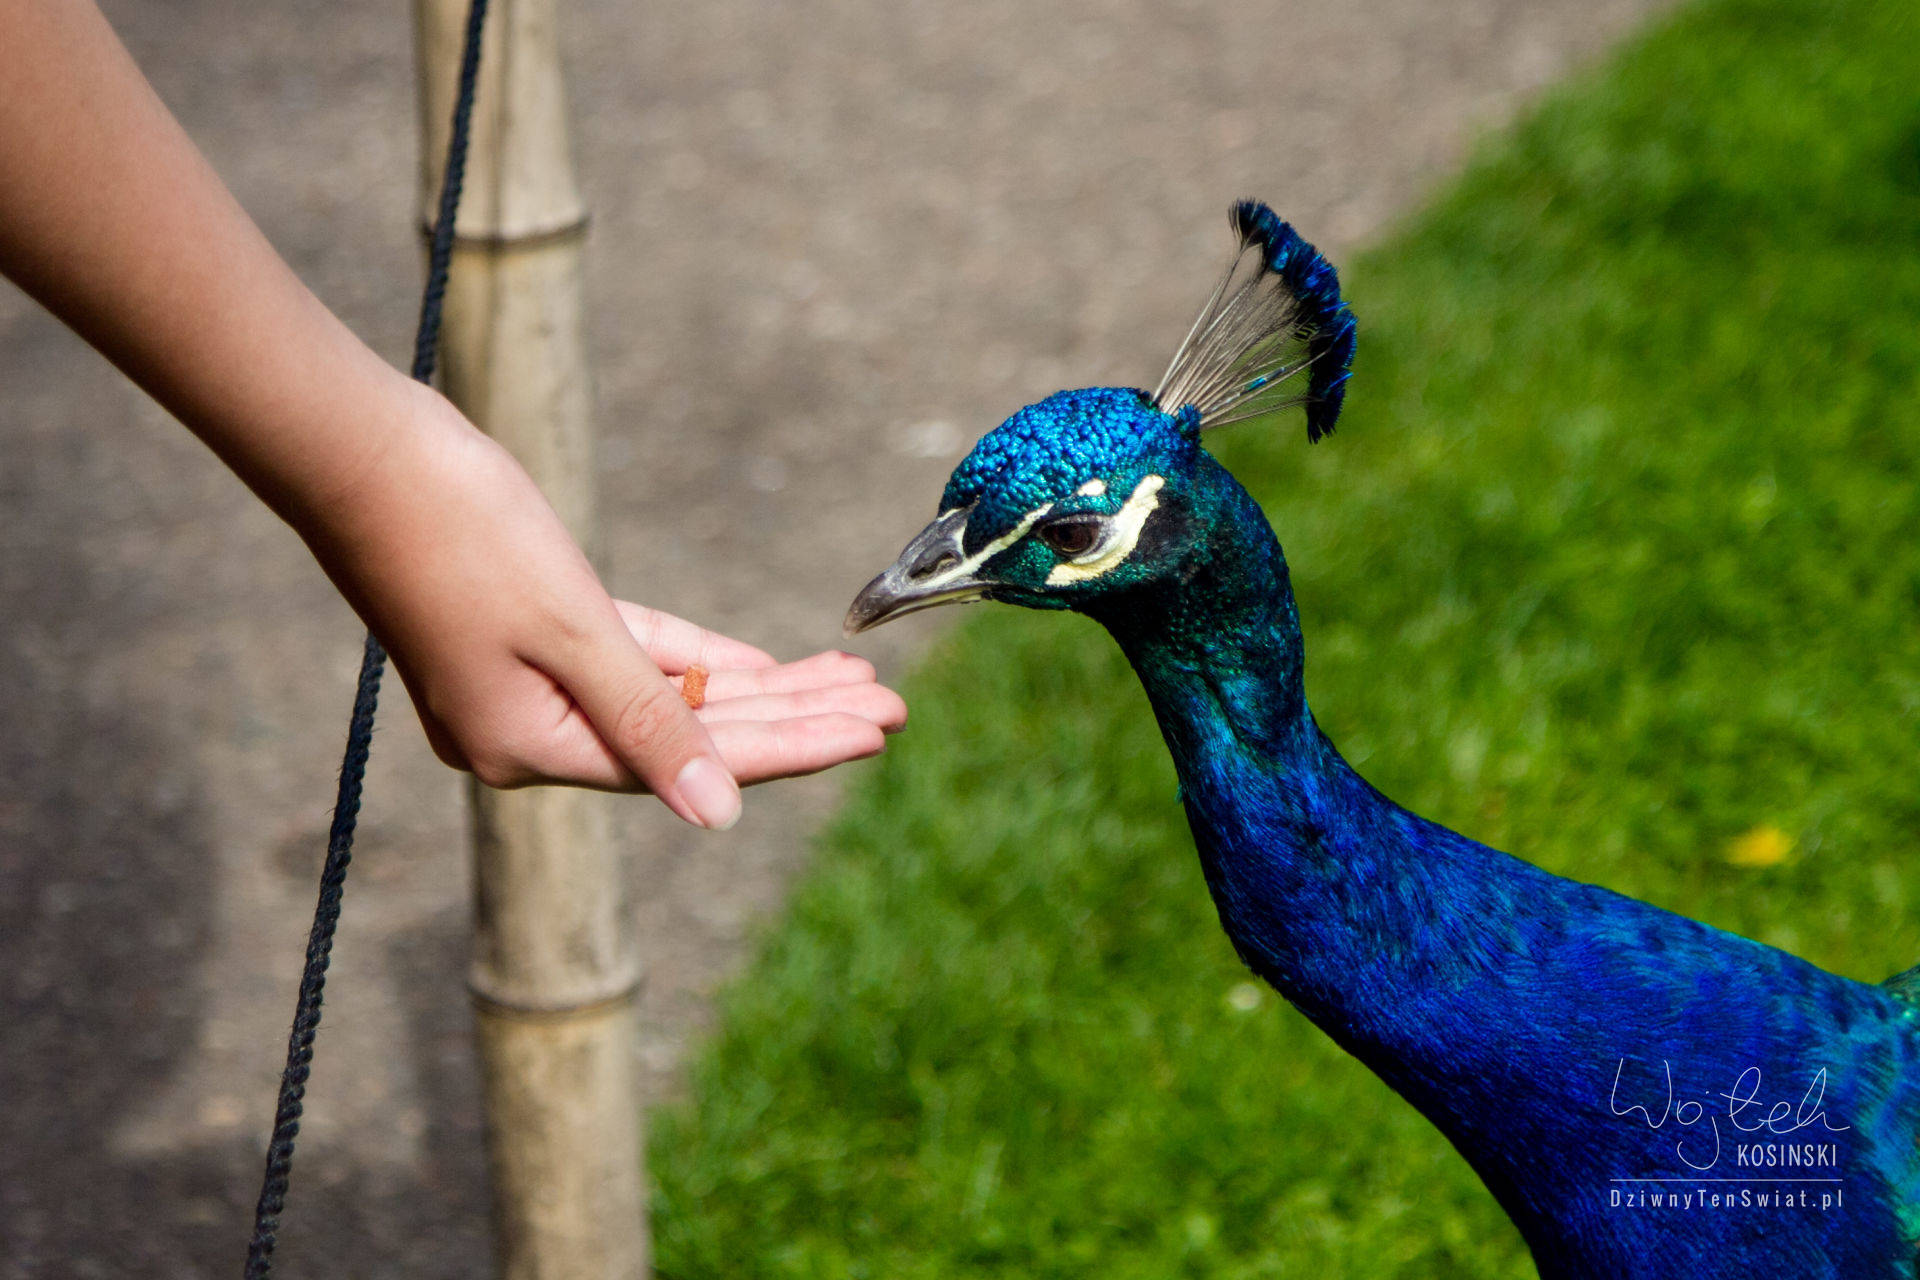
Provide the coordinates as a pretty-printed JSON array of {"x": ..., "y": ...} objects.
[{"x": 934, "y": 569}]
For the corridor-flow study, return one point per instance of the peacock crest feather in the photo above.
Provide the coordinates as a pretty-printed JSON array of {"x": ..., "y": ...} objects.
[{"x": 1276, "y": 314}]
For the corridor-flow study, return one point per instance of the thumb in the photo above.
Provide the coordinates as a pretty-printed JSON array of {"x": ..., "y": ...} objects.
[{"x": 649, "y": 727}]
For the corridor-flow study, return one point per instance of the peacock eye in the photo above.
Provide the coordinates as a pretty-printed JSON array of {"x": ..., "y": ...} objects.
[{"x": 1072, "y": 535}]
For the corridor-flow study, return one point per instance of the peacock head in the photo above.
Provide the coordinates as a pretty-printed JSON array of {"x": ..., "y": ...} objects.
[{"x": 1105, "y": 489}]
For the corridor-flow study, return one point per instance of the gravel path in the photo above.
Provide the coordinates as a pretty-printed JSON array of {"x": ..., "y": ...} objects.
[{"x": 832, "y": 244}]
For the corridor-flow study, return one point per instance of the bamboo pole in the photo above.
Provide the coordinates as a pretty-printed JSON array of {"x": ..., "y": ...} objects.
[{"x": 555, "y": 969}]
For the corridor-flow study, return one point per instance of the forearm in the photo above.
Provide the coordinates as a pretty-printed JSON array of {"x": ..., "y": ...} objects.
[{"x": 112, "y": 219}]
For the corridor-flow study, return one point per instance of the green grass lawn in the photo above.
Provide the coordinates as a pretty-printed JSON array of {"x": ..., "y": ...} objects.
[{"x": 1614, "y": 561}]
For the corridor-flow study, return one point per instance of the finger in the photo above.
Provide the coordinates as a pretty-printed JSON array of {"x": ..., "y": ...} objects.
[
  {"x": 755, "y": 750},
  {"x": 572, "y": 755},
  {"x": 675, "y": 644},
  {"x": 876, "y": 704},
  {"x": 758, "y": 751},
  {"x": 534, "y": 735},
  {"x": 822, "y": 670},
  {"x": 643, "y": 721}
]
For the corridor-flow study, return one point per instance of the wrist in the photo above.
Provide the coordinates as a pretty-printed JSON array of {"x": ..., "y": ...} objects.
[
  {"x": 369, "y": 516},
  {"x": 384, "y": 467}
]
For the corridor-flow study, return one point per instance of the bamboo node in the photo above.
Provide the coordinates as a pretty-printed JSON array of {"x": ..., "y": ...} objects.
[{"x": 537, "y": 1011}]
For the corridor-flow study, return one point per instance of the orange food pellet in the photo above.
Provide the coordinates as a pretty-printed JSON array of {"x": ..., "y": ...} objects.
[{"x": 693, "y": 687}]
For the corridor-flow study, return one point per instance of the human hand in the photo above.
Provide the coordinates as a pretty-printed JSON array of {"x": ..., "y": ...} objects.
[
  {"x": 521, "y": 667},
  {"x": 524, "y": 671}
]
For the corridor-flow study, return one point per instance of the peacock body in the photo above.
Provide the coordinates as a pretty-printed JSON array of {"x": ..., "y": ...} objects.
[{"x": 1645, "y": 1095}]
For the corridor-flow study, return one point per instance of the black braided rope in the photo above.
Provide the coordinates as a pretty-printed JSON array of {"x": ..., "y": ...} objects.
[{"x": 366, "y": 697}]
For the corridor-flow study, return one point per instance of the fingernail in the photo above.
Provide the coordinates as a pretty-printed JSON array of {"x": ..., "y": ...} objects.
[{"x": 710, "y": 792}]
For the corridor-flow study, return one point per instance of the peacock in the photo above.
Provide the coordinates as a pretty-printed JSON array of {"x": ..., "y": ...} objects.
[{"x": 1645, "y": 1095}]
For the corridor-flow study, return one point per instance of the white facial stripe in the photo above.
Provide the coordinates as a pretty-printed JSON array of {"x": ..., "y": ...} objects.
[
  {"x": 967, "y": 566},
  {"x": 1091, "y": 489},
  {"x": 1123, "y": 534}
]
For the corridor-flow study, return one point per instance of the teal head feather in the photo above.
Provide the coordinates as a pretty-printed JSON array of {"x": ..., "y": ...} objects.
[{"x": 1096, "y": 491}]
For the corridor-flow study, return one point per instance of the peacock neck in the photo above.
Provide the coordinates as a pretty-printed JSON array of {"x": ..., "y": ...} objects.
[
  {"x": 1472, "y": 982},
  {"x": 1341, "y": 899},
  {"x": 1217, "y": 645}
]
